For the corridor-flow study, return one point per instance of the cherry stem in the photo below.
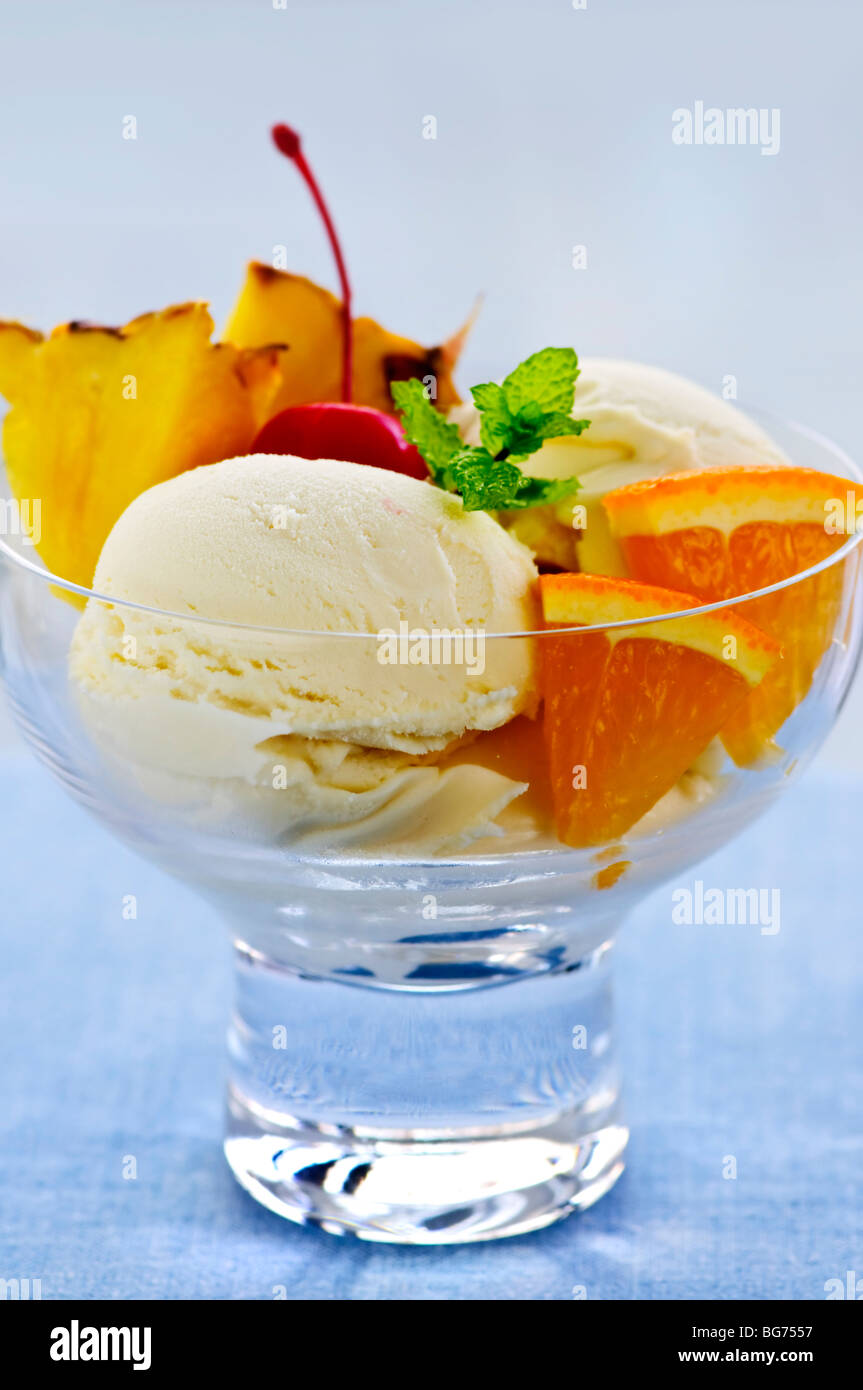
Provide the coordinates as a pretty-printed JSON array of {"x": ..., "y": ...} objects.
[{"x": 287, "y": 141}]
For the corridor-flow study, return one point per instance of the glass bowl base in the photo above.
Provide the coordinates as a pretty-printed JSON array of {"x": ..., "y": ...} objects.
[{"x": 422, "y": 1190}]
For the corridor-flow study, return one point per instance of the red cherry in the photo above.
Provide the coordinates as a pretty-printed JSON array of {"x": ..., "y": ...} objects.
[{"x": 336, "y": 430}]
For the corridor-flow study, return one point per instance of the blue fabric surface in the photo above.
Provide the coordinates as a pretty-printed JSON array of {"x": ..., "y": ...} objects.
[{"x": 735, "y": 1044}]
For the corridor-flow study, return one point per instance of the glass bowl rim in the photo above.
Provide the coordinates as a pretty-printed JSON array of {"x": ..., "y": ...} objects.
[{"x": 111, "y": 601}]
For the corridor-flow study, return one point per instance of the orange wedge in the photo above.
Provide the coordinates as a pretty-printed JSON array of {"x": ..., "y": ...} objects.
[
  {"x": 628, "y": 711},
  {"x": 723, "y": 532}
]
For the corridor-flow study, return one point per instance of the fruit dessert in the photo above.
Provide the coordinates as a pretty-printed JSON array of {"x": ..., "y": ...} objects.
[{"x": 341, "y": 610}]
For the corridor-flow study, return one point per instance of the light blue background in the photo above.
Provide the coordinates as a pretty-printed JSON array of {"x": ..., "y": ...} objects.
[{"x": 554, "y": 129}]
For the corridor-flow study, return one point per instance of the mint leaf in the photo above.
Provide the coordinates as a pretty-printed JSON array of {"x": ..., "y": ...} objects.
[
  {"x": 533, "y": 404},
  {"x": 495, "y": 417},
  {"x": 484, "y": 484},
  {"x": 539, "y": 492},
  {"x": 553, "y": 426},
  {"x": 546, "y": 379},
  {"x": 493, "y": 485},
  {"x": 437, "y": 440}
]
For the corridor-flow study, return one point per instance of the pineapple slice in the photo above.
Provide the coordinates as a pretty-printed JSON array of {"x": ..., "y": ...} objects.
[
  {"x": 276, "y": 307},
  {"x": 101, "y": 414}
]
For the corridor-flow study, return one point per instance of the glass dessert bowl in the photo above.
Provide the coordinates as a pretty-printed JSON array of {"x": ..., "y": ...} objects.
[{"x": 422, "y": 1048}]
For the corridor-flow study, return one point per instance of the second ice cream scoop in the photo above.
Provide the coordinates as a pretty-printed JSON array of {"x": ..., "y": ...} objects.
[{"x": 644, "y": 422}]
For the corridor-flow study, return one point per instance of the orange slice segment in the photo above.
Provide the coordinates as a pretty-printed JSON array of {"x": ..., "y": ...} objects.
[
  {"x": 628, "y": 711},
  {"x": 723, "y": 532}
]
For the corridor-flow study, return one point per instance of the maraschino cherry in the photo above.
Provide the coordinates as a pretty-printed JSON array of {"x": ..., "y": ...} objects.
[
  {"x": 336, "y": 429},
  {"x": 339, "y": 430}
]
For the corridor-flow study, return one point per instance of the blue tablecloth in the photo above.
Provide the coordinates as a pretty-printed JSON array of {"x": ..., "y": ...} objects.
[{"x": 737, "y": 1046}]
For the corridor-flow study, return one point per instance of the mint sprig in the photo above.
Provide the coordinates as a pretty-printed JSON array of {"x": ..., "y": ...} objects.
[{"x": 534, "y": 403}]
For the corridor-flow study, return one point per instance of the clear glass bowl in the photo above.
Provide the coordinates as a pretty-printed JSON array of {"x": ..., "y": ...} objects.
[{"x": 422, "y": 1048}]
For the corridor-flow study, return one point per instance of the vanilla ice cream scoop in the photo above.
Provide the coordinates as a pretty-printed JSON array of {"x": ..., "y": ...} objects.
[
  {"x": 321, "y": 576},
  {"x": 319, "y": 547},
  {"x": 644, "y": 422}
]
